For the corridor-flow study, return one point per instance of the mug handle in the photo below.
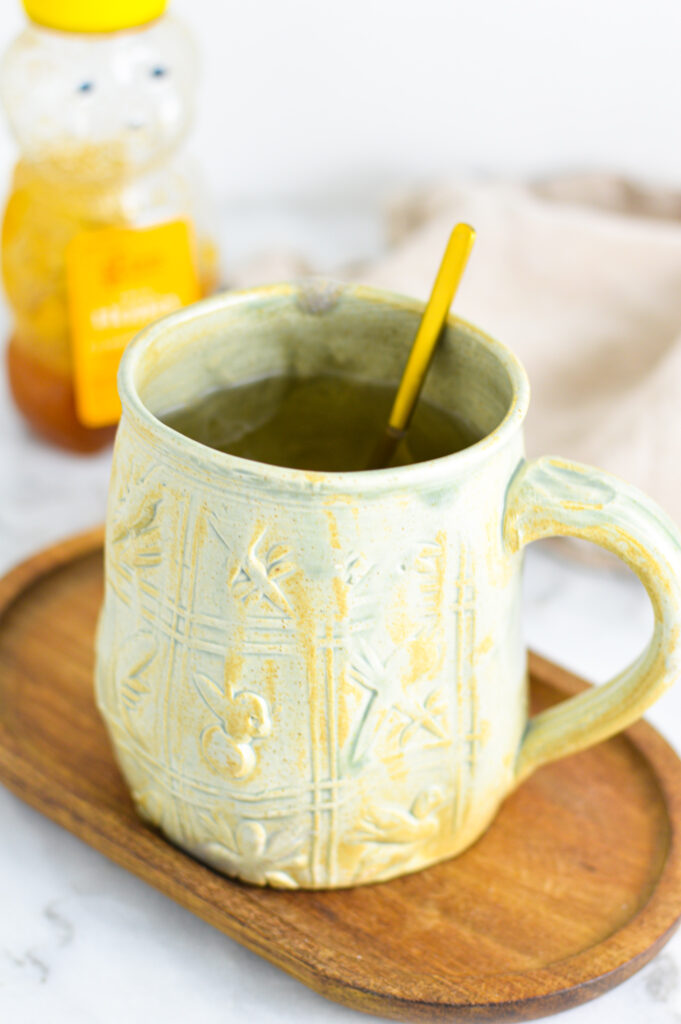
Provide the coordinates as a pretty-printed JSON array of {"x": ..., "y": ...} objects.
[{"x": 551, "y": 497}]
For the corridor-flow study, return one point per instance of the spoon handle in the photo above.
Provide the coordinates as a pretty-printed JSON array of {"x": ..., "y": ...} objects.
[{"x": 444, "y": 289}]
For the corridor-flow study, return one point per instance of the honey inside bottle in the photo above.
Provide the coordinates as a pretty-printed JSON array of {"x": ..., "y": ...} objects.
[{"x": 98, "y": 152}]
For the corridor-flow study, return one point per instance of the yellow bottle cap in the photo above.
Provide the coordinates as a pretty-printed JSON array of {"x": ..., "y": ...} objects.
[{"x": 93, "y": 15}]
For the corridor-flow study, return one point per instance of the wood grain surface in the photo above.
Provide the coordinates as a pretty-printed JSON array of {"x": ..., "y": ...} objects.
[{"x": 574, "y": 887}]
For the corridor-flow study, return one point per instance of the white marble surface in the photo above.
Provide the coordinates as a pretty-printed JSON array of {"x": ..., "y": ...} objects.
[{"x": 81, "y": 940}]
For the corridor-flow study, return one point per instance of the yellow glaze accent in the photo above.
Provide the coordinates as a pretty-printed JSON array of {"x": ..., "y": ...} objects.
[
  {"x": 318, "y": 680},
  {"x": 553, "y": 497}
]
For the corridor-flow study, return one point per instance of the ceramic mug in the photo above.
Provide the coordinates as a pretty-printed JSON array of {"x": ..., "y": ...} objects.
[{"x": 318, "y": 679}]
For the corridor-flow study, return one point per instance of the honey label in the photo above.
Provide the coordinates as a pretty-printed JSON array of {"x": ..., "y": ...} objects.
[{"x": 118, "y": 281}]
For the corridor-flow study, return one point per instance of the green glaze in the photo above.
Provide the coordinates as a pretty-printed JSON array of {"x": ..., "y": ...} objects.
[{"x": 314, "y": 678}]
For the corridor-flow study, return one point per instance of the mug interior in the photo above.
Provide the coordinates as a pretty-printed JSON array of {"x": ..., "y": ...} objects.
[{"x": 321, "y": 328}]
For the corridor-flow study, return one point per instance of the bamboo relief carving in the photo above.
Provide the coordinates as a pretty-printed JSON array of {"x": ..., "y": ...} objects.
[
  {"x": 136, "y": 686},
  {"x": 135, "y": 522},
  {"x": 258, "y": 577},
  {"x": 374, "y": 697}
]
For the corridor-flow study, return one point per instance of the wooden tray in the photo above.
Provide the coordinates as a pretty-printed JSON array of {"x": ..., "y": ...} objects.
[{"x": 575, "y": 887}]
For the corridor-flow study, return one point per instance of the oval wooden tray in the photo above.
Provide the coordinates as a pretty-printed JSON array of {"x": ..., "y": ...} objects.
[{"x": 574, "y": 887}]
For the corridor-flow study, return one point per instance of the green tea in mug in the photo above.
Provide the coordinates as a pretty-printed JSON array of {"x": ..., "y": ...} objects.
[{"x": 324, "y": 423}]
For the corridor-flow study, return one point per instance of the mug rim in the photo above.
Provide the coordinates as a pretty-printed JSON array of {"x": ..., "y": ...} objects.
[{"x": 414, "y": 474}]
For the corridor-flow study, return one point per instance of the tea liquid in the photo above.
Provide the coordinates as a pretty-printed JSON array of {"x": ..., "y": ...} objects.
[{"x": 315, "y": 423}]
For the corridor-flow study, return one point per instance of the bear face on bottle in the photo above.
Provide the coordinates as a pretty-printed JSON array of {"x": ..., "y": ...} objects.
[{"x": 126, "y": 98}]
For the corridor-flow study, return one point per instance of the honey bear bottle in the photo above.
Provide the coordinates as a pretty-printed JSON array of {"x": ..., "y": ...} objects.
[{"x": 103, "y": 230}]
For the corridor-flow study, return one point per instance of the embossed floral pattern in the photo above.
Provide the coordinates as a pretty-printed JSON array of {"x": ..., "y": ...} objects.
[
  {"x": 429, "y": 716},
  {"x": 243, "y": 716},
  {"x": 360, "y": 579},
  {"x": 392, "y": 835},
  {"x": 135, "y": 534},
  {"x": 257, "y": 578},
  {"x": 279, "y": 713},
  {"x": 249, "y": 851},
  {"x": 382, "y": 680}
]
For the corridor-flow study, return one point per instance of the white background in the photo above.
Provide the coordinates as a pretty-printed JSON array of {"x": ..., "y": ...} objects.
[{"x": 312, "y": 98}]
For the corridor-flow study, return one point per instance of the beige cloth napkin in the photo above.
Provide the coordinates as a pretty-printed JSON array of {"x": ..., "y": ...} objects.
[{"x": 582, "y": 278}]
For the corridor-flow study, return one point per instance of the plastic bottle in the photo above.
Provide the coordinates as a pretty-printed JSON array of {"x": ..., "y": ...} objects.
[{"x": 102, "y": 230}]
